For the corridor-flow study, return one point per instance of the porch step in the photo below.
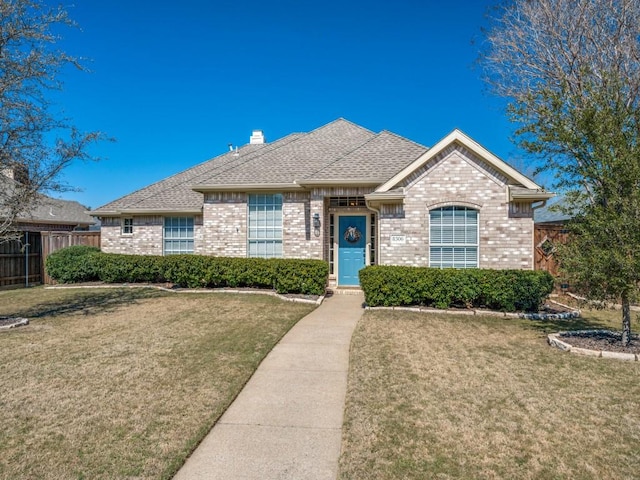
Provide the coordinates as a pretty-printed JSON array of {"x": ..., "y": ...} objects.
[{"x": 344, "y": 290}]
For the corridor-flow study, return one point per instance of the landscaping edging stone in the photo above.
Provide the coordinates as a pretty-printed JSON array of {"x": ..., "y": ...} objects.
[
  {"x": 318, "y": 301},
  {"x": 554, "y": 341},
  {"x": 13, "y": 322},
  {"x": 493, "y": 313}
]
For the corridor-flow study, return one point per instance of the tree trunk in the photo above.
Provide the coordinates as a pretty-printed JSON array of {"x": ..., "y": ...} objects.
[{"x": 626, "y": 320}]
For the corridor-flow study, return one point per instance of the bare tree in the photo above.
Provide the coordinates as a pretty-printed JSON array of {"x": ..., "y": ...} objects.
[
  {"x": 36, "y": 144},
  {"x": 571, "y": 71}
]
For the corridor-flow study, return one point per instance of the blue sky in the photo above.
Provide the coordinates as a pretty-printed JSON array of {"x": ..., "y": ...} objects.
[{"x": 175, "y": 82}]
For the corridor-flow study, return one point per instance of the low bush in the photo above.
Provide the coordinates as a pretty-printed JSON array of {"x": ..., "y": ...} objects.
[
  {"x": 191, "y": 271},
  {"x": 504, "y": 290},
  {"x": 73, "y": 264}
]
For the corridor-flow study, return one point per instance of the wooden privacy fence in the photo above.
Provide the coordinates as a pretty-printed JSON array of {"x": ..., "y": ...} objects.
[
  {"x": 545, "y": 240},
  {"x": 52, "y": 241},
  {"x": 20, "y": 261}
]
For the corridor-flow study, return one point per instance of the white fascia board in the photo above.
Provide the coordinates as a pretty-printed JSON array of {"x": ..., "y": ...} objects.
[
  {"x": 247, "y": 187},
  {"x": 338, "y": 182},
  {"x": 532, "y": 195},
  {"x": 385, "y": 197},
  {"x": 147, "y": 211},
  {"x": 475, "y": 147}
]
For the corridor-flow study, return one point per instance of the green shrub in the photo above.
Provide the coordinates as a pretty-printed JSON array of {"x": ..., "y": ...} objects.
[
  {"x": 504, "y": 290},
  {"x": 117, "y": 268},
  {"x": 300, "y": 276},
  {"x": 195, "y": 271},
  {"x": 73, "y": 264}
]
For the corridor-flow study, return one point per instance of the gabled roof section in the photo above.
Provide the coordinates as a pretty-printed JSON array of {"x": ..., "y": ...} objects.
[
  {"x": 175, "y": 193},
  {"x": 374, "y": 162},
  {"x": 294, "y": 160},
  {"x": 460, "y": 138}
]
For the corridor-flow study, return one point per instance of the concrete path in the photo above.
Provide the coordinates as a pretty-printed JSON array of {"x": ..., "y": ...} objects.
[{"x": 287, "y": 421}]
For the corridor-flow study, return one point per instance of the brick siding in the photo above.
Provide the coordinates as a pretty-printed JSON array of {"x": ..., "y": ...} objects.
[{"x": 457, "y": 177}]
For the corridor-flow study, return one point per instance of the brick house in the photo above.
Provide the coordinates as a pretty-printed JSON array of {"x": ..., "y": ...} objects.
[{"x": 340, "y": 193}]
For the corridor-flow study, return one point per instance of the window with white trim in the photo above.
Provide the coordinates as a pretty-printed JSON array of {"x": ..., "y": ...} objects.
[
  {"x": 453, "y": 237},
  {"x": 265, "y": 225},
  {"x": 178, "y": 235},
  {"x": 126, "y": 227}
]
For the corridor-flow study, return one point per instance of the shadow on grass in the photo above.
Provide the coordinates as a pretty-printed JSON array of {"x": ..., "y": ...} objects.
[
  {"x": 87, "y": 302},
  {"x": 553, "y": 326}
]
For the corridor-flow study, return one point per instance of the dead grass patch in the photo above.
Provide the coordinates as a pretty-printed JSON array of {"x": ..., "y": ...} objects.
[
  {"x": 124, "y": 383},
  {"x": 453, "y": 397}
]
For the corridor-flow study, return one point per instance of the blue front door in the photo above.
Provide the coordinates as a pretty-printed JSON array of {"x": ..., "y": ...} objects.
[{"x": 352, "y": 242}]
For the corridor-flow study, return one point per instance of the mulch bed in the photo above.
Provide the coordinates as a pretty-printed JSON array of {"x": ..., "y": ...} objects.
[{"x": 601, "y": 340}]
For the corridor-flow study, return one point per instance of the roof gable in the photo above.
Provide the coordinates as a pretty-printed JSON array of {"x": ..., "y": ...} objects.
[{"x": 457, "y": 137}]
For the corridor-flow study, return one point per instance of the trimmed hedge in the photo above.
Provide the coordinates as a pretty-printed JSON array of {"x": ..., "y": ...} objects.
[
  {"x": 73, "y": 264},
  {"x": 503, "y": 290},
  {"x": 191, "y": 271}
]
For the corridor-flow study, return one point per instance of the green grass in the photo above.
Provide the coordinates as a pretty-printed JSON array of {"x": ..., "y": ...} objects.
[
  {"x": 124, "y": 383},
  {"x": 455, "y": 397}
]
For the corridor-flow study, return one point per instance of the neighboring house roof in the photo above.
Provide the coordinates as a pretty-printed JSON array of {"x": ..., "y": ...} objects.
[
  {"x": 60, "y": 212},
  {"x": 339, "y": 153},
  {"x": 48, "y": 210},
  {"x": 548, "y": 214}
]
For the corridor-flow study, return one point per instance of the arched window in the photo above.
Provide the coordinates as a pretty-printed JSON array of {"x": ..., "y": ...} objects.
[{"x": 453, "y": 237}]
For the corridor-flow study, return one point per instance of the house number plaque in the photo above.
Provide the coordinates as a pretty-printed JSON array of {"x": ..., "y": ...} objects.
[{"x": 398, "y": 239}]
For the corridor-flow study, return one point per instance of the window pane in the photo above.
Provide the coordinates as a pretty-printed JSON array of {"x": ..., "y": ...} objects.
[
  {"x": 265, "y": 225},
  {"x": 178, "y": 235},
  {"x": 453, "y": 237}
]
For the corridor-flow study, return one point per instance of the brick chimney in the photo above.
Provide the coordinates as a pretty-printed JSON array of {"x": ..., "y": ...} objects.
[{"x": 257, "y": 137}]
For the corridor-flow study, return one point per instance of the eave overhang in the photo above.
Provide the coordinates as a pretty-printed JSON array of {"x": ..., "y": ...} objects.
[
  {"x": 520, "y": 194},
  {"x": 247, "y": 187},
  {"x": 339, "y": 183},
  {"x": 146, "y": 211},
  {"x": 385, "y": 197},
  {"x": 52, "y": 222}
]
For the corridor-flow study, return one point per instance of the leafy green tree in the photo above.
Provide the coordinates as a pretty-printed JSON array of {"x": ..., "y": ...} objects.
[
  {"x": 36, "y": 143},
  {"x": 571, "y": 72}
]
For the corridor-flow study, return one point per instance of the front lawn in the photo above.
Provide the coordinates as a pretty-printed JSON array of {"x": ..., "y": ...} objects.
[
  {"x": 459, "y": 397},
  {"x": 123, "y": 383}
]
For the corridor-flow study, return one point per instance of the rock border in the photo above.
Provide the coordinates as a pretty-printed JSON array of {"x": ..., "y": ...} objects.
[
  {"x": 196, "y": 290},
  {"x": 17, "y": 322},
  {"x": 554, "y": 340},
  {"x": 573, "y": 313}
]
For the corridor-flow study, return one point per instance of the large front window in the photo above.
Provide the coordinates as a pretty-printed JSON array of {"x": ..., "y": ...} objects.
[
  {"x": 265, "y": 225},
  {"x": 178, "y": 235},
  {"x": 453, "y": 237}
]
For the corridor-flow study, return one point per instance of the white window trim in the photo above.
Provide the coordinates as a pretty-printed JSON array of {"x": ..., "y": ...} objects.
[
  {"x": 123, "y": 226},
  {"x": 165, "y": 238},
  {"x": 475, "y": 245},
  {"x": 272, "y": 240}
]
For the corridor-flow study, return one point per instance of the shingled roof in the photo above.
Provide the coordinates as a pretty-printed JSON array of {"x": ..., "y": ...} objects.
[
  {"x": 59, "y": 212},
  {"x": 45, "y": 209},
  {"x": 339, "y": 152}
]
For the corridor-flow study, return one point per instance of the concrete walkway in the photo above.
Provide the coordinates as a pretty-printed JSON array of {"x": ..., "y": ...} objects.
[{"x": 287, "y": 421}]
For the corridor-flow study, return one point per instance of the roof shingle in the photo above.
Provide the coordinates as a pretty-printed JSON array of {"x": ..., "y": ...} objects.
[{"x": 338, "y": 151}]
